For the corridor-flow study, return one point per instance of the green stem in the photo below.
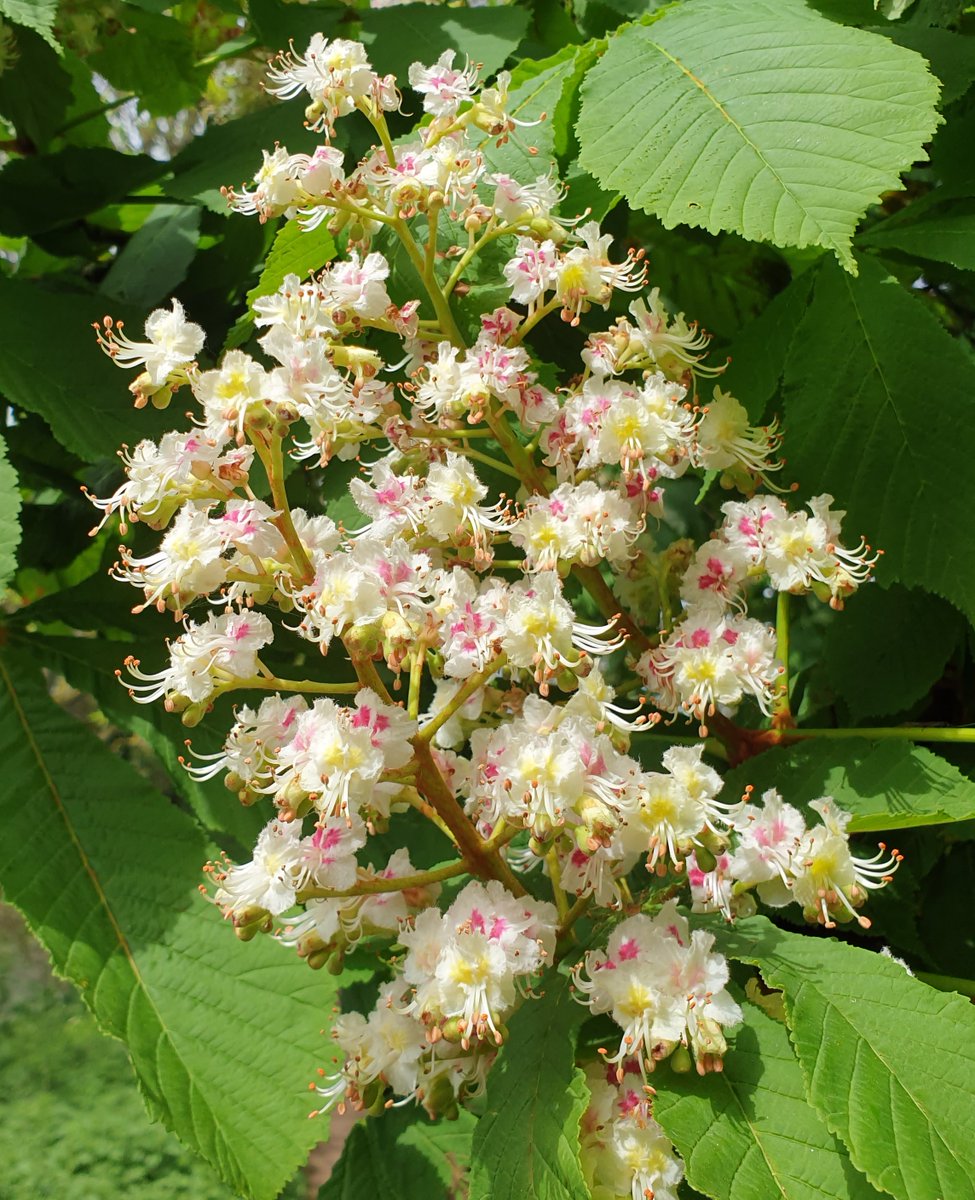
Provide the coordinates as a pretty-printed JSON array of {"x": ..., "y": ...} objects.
[
  {"x": 913, "y": 733},
  {"x": 369, "y": 887},
  {"x": 538, "y": 315},
  {"x": 781, "y": 710},
  {"x": 417, "y": 659},
  {"x": 272, "y": 457},
  {"x": 555, "y": 875},
  {"x": 492, "y": 462},
  {"x": 460, "y": 698},
  {"x": 441, "y": 305},
  {"x": 272, "y": 683}
]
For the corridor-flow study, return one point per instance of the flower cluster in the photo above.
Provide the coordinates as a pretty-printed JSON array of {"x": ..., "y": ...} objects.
[
  {"x": 665, "y": 987},
  {"x": 464, "y": 646},
  {"x": 436, "y": 1026},
  {"x": 624, "y": 1153},
  {"x": 774, "y": 851}
]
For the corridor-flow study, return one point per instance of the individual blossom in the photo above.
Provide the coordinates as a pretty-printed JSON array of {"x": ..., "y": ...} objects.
[
  {"x": 541, "y": 632},
  {"x": 277, "y": 191},
  {"x": 443, "y": 87},
  {"x": 168, "y": 354},
  {"x": 586, "y": 276},
  {"x": 249, "y": 753},
  {"x": 220, "y": 652},
  {"x": 726, "y": 440}
]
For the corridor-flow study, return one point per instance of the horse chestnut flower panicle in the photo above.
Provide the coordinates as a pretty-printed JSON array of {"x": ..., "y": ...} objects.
[{"x": 462, "y": 648}]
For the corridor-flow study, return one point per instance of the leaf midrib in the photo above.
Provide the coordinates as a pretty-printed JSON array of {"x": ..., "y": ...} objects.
[{"x": 123, "y": 944}]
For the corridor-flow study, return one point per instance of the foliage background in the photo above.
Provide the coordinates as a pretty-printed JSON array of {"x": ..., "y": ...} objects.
[{"x": 121, "y": 123}]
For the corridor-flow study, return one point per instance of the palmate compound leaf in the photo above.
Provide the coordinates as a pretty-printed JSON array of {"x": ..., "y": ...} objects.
[
  {"x": 756, "y": 116},
  {"x": 526, "y": 1145},
  {"x": 223, "y": 1037},
  {"x": 884, "y": 784},
  {"x": 887, "y": 1060},
  {"x": 880, "y": 411},
  {"x": 749, "y": 1133}
]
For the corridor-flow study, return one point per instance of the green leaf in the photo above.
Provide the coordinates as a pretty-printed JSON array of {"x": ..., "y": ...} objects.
[
  {"x": 887, "y": 1060},
  {"x": 759, "y": 353},
  {"x": 399, "y": 36},
  {"x": 150, "y": 54},
  {"x": 223, "y": 1037},
  {"x": 38, "y": 15},
  {"x": 855, "y": 426},
  {"x": 889, "y": 784},
  {"x": 526, "y": 1145},
  {"x": 35, "y": 90},
  {"x": 51, "y": 365},
  {"x": 277, "y": 22},
  {"x": 942, "y": 232},
  {"x": 748, "y": 1133},
  {"x": 156, "y": 259},
  {"x": 401, "y": 1153},
  {"x": 89, "y": 664},
  {"x": 46, "y": 192},
  {"x": 9, "y": 518},
  {"x": 865, "y": 648},
  {"x": 756, "y": 116},
  {"x": 540, "y": 89}
]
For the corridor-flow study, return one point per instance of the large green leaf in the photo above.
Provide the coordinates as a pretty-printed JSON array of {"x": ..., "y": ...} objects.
[
  {"x": 89, "y": 664},
  {"x": 749, "y": 1133},
  {"x": 151, "y": 54},
  {"x": 401, "y": 1153},
  {"x": 757, "y": 116},
  {"x": 952, "y": 56},
  {"x": 52, "y": 366},
  {"x": 35, "y": 90},
  {"x": 526, "y": 1145},
  {"x": 33, "y": 14},
  {"x": 157, "y": 258},
  {"x": 856, "y": 427},
  {"x": 223, "y": 1037},
  {"x": 9, "y": 518},
  {"x": 887, "y": 1060},
  {"x": 889, "y": 784},
  {"x": 865, "y": 658},
  {"x": 406, "y": 33}
]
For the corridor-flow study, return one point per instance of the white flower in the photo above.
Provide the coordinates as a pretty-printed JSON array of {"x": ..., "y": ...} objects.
[
  {"x": 271, "y": 880},
  {"x": 442, "y": 87},
  {"x": 277, "y": 191},
  {"x": 231, "y": 393},
  {"x": 171, "y": 346},
  {"x": 532, "y": 271},
  {"x": 219, "y": 651}
]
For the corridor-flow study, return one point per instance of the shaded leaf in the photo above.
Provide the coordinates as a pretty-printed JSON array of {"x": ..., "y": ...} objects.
[
  {"x": 399, "y": 36},
  {"x": 65, "y": 378},
  {"x": 856, "y": 428},
  {"x": 867, "y": 660},
  {"x": 942, "y": 232},
  {"x": 157, "y": 258}
]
